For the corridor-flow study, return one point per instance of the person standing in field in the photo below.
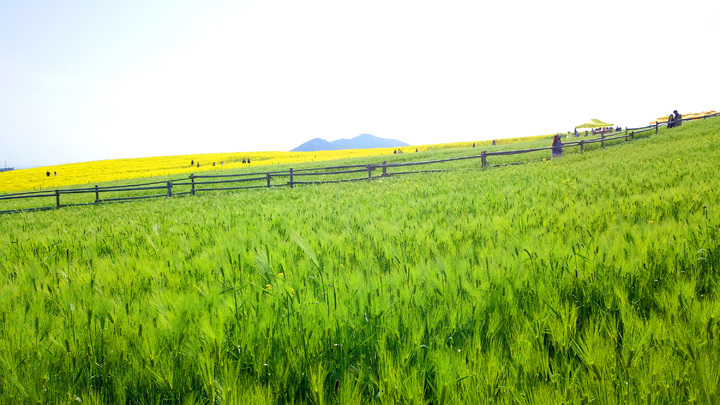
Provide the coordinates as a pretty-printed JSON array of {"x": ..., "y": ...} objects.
[
  {"x": 671, "y": 121},
  {"x": 678, "y": 119},
  {"x": 557, "y": 149}
]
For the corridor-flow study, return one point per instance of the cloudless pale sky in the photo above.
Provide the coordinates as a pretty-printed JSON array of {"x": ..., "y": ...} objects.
[{"x": 92, "y": 80}]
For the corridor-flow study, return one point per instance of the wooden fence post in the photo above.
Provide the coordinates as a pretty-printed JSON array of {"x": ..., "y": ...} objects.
[
  {"x": 582, "y": 145},
  {"x": 192, "y": 184},
  {"x": 291, "y": 178},
  {"x": 483, "y": 158},
  {"x": 632, "y": 135},
  {"x": 656, "y": 127},
  {"x": 268, "y": 180},
  {"x": 97, "y": 194},
  {"x": 57, "y": 198},
  {"x": 369, "y": 169},
  {"x": 384, "y": 168},
  {"x": 169, "y": 187}
]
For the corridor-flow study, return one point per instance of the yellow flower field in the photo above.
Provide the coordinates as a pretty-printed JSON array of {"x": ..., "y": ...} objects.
[
  {"x": 685, "y": 116},
  {"x": 121, "y": 169}
]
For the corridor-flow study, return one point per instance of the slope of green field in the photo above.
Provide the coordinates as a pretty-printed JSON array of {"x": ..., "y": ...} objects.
[{"x": 590, "y": 278}]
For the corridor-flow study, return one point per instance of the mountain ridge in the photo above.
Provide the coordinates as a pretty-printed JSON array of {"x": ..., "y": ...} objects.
[{"x": 362, "y": 141}]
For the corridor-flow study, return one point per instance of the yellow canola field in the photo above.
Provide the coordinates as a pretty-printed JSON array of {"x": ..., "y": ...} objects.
[
  {"x": 90, "y": 173},
  {"x": 685, "y": 116},
  {"x": 121, "y": 169}
]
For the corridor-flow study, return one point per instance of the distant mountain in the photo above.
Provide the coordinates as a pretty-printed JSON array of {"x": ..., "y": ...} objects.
[
  {"x": 313, "y": 145},
  {"x": 364, "y": 141}
]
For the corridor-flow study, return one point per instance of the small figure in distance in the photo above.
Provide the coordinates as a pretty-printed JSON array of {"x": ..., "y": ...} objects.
[
  {"x": 213, "y": 164},
  {"x": 395, "y": 152},
  {"x": 493, "y": 142},
  {"x": 473, "y": 144},
  {"x": 678, "y": 119},
  {"x": 416, "y": 150},
  {"x": 198, "y": 164},
  {"x": 192, "y": 162},
  {"x": 557, "y": 149},
  {"x": 243, "y": 160},
  {"x": 248, "y": 160},
  {"x": 55, "y": 174},
  {"x": 576, "y": 133},
  {"x": 48, "y": 173},
  {"x": 222, "y": 163},
  {"x": 671, "y": 121}
]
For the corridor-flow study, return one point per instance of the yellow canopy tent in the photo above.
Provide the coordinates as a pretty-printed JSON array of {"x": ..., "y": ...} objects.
[{"x": 593, "y": 123}]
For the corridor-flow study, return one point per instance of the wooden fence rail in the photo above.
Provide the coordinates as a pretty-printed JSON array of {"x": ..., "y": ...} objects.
[{"x": 196, "y": 183}]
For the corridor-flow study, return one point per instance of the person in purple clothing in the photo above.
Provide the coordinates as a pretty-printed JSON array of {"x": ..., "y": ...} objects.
[{"x": 557, "y": 149}]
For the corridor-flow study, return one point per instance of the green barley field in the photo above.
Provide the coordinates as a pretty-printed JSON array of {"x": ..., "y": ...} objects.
[{"x": 592, "y": 278}]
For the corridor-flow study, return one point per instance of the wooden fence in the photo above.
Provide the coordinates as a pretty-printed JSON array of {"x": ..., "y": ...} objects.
[{"x": 223, "y": 182}]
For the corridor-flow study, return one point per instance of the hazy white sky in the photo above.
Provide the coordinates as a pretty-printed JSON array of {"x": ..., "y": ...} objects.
[{"x": 90, "y": 80}]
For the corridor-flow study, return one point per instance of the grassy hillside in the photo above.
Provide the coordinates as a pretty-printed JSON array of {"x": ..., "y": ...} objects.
[{"x": 590, "y": 278}]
